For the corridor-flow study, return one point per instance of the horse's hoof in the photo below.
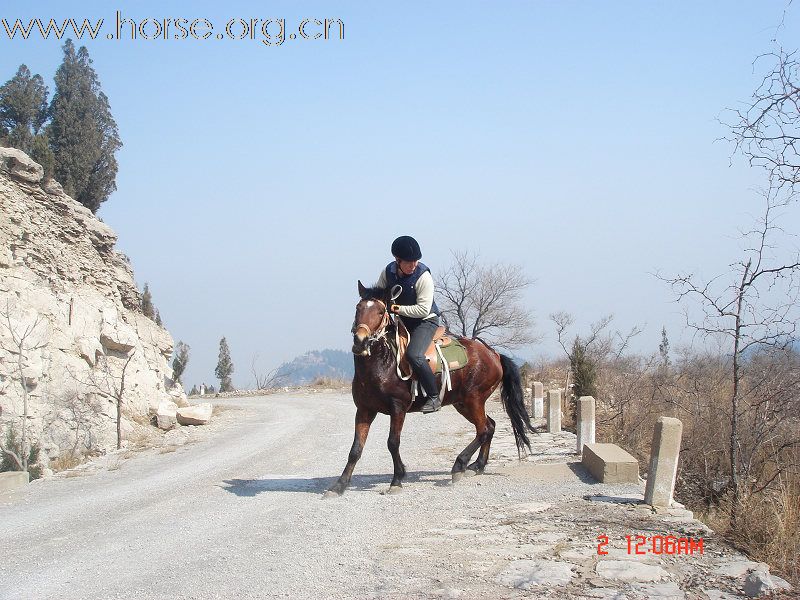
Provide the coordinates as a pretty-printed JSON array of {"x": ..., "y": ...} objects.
[
  {"x": 395, "y": 489},
  {"x": 470, "y": 473},
  {"x": 330, "y": 494},
  {"x": 458, "y": 476}
]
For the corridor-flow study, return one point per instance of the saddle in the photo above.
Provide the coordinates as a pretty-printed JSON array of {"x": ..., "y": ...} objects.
[{"x": 442, "y": 346}]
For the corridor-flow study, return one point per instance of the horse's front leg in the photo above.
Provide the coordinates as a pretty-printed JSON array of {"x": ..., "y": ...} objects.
[
  {"x": 364, "y": 419},
  {"x": 398, "y": 417}
]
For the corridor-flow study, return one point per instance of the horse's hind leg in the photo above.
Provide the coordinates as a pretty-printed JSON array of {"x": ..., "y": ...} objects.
[
  {"x": 484, "y": 430},
  {"x": 364, "y": 419},
  {"x": 483, "y": 457},
  {"x": 398, "y": 417}
]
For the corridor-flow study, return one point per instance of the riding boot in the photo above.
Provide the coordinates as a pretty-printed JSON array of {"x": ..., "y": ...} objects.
[{"x": 432, "y": 405}]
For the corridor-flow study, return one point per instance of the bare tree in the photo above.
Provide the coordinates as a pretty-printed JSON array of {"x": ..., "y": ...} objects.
[
  {"x": 76, "y": 411},
  {"x": 105, "y": 381},
  {"x": 268, "y": 380},
  {"x": 756, "y": 309},
  {"x": 485, "y": 301},
  {"x": 23, "y": 339},
  {"x": 767, "y": 130}
]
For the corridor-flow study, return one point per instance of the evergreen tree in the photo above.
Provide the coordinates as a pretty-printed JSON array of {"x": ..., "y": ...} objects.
[
  {"x": 224, "y": 368},
  {"x": 42, "y": 154},
  {"x": 663, "y": 347},
  {"x": 584, "y": 370},
  {"x": 23, "y": 110},
  {"x": 180, "y": 361},
  {"x": 148, "y": 309},
  {"x": 83, "y": 134}
]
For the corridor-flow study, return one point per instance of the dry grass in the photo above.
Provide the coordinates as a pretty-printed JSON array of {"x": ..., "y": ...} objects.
[
  {"x": 330, "y": 382},
  {"x": 634, "y": 391},
  {"x": 66, "y": 460}
]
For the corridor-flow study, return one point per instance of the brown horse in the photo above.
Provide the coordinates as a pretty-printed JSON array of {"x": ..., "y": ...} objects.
[{"x": 378, "y": 389}]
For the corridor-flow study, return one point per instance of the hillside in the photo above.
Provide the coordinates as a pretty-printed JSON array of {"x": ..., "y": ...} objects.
[{"x": 333, "y": 364}]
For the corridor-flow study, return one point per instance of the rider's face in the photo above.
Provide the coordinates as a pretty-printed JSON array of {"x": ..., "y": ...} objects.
[{"x": 407, "y": 266}]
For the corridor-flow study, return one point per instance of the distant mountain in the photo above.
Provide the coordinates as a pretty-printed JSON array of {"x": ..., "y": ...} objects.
[{"x": 336, "y": 364}]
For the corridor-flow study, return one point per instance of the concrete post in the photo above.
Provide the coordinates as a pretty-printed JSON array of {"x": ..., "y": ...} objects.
[
  {"x": 663, "y": 461},
  {"x": 538, "y": 400},
  {"x": 585, "y": 425},
  {"x": 554, "y": 411}
]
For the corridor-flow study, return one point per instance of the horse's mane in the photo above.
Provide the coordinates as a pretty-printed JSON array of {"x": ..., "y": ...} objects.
[{"x": 375, "y": 293}]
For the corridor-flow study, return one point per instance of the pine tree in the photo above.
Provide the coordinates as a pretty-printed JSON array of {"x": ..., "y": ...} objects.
[
  {"x": 224, "y": 368},
  {"x": 83, "y": 134},
  {"x": 148, "y": 309},
  {"x": 584, "y": 370},
  {"x": 23, "y": 110},
  {"x": 663, "y": 347},
  {"x": 42, "y": 154},
  {"x": 180, "y": 361}
]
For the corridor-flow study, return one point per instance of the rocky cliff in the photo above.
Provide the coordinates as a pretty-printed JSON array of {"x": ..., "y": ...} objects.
[{"x": 70, "y": 321}]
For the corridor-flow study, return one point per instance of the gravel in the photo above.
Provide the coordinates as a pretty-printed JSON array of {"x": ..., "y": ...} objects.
[{"x": 235, "y": 510}]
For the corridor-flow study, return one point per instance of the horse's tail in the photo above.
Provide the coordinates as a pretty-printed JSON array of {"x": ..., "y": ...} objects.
[{"x": 514, "y": 403}]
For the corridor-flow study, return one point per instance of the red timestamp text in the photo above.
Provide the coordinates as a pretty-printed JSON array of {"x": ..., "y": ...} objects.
[{"x": 655, "y": 544}]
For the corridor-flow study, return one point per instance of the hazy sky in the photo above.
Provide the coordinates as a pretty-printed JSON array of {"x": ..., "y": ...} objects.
[{"x": 258, "y": 183}]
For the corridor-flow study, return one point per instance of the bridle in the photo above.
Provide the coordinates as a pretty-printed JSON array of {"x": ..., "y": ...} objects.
[
  {"x": 379, "y": 333},
  {"x": 371, "y": 336}
]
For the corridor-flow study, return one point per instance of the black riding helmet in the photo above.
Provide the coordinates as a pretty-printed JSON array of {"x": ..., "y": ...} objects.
[{"x": 406, "y": 248}]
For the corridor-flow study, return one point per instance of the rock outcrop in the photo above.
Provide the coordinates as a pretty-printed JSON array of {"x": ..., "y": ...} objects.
[{"x": 69, "y": 302}]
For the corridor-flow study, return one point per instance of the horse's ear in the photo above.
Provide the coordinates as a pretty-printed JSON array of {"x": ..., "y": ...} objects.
[{"x": 361, "y": 289}]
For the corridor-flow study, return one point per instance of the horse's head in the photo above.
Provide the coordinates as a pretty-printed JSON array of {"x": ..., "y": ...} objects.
[{"x": 372, "y": 317}]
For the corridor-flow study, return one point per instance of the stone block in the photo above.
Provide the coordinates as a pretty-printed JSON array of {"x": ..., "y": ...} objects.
[
  {"x": 195, "y": 415},
  {"x": 12, "y": 480},
  {"x": 166, "y": 415},
  {"x": 608, "y": 463}
]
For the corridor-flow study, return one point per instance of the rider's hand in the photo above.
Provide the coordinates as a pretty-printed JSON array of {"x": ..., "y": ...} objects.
[{"x": 395, "y": 308}]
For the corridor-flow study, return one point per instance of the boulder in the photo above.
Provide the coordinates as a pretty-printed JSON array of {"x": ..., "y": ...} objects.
[
  {"x": 20, "y": 166},
  {"x": 195, "y": 415},
  {"x": 178, "y": 396},
  {"x": 166, "y": 415},
  {"x": 760, "y": 583},
  {"x": 117, "y": 335}
]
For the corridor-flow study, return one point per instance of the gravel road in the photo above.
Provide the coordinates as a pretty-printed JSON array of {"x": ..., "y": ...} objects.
[{"x": 237, "y": 513}]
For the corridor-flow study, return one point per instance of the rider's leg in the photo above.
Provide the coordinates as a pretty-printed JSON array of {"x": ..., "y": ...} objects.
[{"x": 420, "y": 339}]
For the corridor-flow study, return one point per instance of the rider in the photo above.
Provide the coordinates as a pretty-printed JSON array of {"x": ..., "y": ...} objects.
[{"x": 417, "y": 310}]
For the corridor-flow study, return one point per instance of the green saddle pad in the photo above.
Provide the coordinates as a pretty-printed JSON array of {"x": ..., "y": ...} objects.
[{"x": 455, "y": 354}]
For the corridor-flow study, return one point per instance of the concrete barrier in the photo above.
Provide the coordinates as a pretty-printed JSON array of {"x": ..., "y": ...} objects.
[
  {"x": 554, "y": 411},
  {"x": 538, "y": 400},
  {"x": 585, "y": 426},
  {"x": 664, "y": 454},
  {"x": 12, "y": 480},
  {"x": 608, "y": 463}
]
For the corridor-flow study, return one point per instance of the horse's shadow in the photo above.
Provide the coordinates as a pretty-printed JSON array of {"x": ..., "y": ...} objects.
[{"x": 318, "y": 485}]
